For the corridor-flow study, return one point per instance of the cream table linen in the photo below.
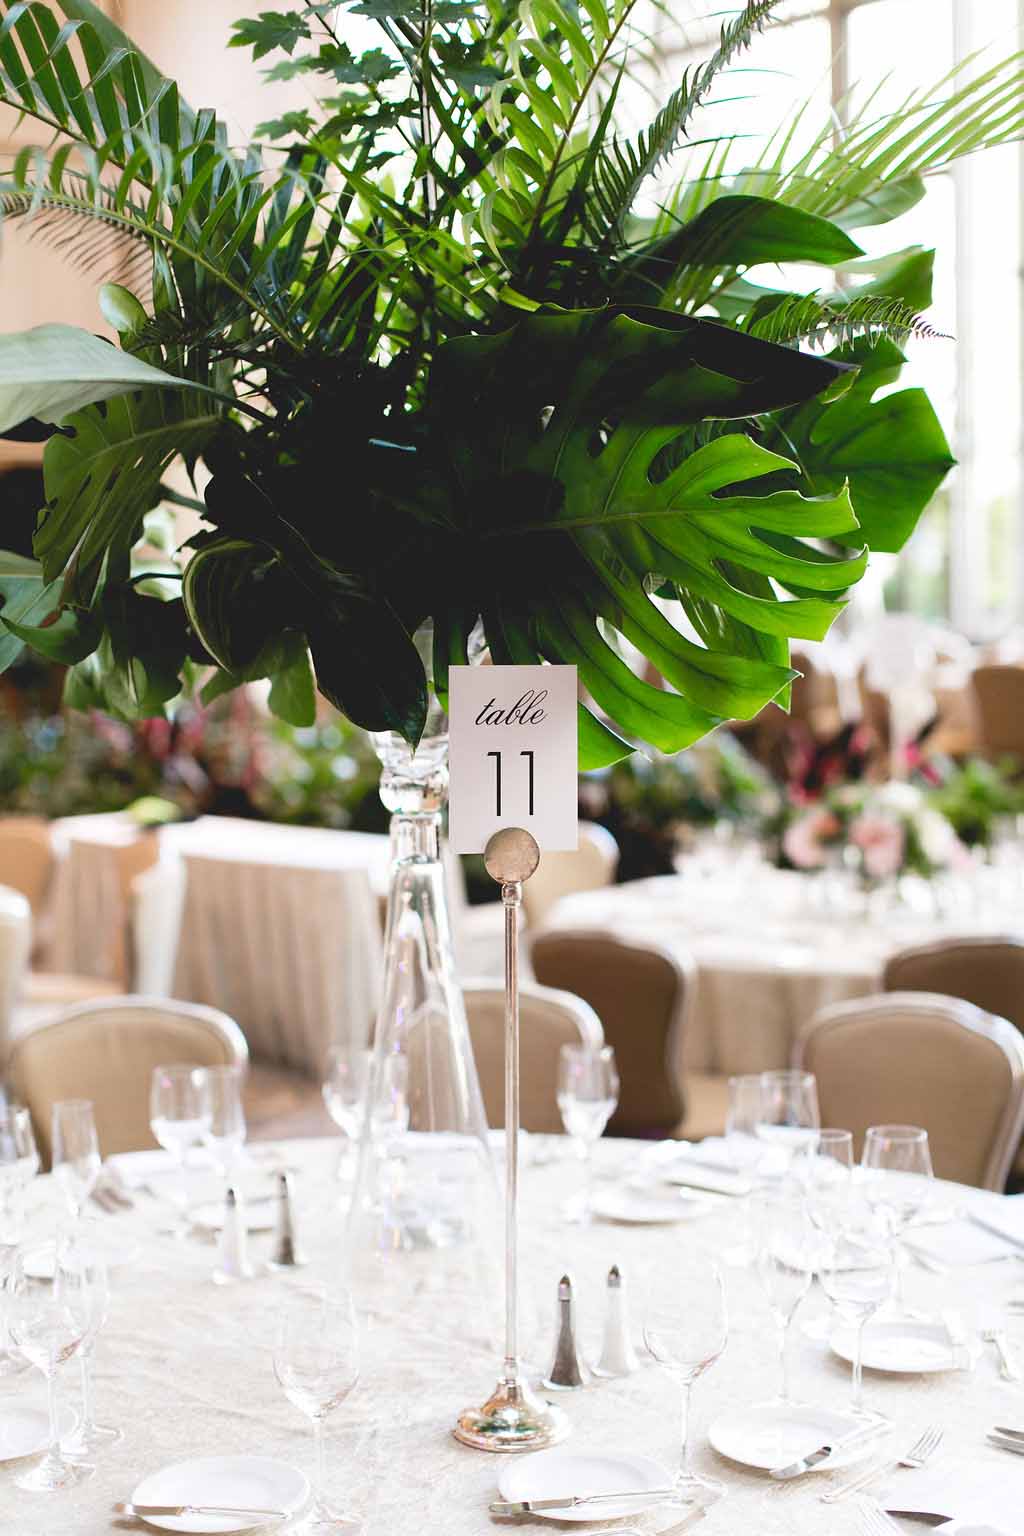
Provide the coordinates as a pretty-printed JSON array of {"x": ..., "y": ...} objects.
[
  {"x": 770, "y": 953},
  {"x": 184, "y": 1367}
]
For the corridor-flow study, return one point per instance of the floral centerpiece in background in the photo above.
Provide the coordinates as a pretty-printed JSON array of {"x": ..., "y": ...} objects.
[{"x": 879, "y": 831}]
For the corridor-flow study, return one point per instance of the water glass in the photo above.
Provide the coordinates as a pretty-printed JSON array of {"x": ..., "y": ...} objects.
[
  {"x": 180, "y": 1117},
  {"x": 686, "y": 1328},
  {"x": 745, "y": 1152},
  {"x": 789, "y": 1117},
  {"x": 19, "y": 1164},
  {"x": 898, "y": 1182},
  {"x": 75, "y": 1150},
  {"x": 47, "y": 1320},
  {"x": 786, "y": 1256},
  {"x": 588, "y": 1091},
  {"x": 829, "y": 1187},
  {"x": 225, "y": 1136},
  {"x": 86, "y": 1282},
  {"x": 345, "y": 1088},
  {"x": 857, "y": 1274},
  {"x": 316, "y": 1362}
]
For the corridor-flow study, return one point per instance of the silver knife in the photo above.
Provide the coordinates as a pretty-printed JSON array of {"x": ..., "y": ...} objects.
[
  {"x": 918, "y": 1516},
  {"x": 1005, "y": 1443},
  {"x": 798, "y": 1468},
  {"x": 1003, "y": 1429},
  {"x": 573, "y": 1501}
]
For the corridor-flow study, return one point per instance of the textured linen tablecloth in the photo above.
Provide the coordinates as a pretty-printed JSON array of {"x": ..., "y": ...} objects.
[
  {"x": 184, "y": 1367},
  {"x": 769, "y": 953}
]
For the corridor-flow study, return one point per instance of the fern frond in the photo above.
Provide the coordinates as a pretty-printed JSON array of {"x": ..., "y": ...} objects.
[
  {"x": 117, "y": 251},
  {"x": 821, "y": 322},
  {"x": 622, "y": 169}
]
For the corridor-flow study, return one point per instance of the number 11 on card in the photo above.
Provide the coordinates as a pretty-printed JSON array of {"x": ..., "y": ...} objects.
[{"x": 497, "y": 782}]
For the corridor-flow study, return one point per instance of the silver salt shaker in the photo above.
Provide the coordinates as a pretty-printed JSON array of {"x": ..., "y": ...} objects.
[
  {"x": 285, "y": 1254},
  {"x": 233, "y": 1255},
  {"x": 618, "y": 1357},
  {"x": 567, "y": 1371}
]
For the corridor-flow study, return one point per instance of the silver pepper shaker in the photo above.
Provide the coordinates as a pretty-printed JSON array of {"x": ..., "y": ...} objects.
[
  {"x": 233, "y": 1256},
  {"x": 567, "y": 1372},
  {"x": 285, "y": 1254},
  {"x": 618, "y": 1357}
]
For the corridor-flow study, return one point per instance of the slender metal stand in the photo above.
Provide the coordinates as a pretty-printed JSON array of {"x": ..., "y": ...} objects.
[{"x": 513, "y": 1418}]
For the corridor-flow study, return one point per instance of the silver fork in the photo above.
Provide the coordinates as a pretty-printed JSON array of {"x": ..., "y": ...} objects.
[
  {"x": 873, "y": 1521},
  {"x": 922, "y": 1450},
  {"x": 1009, "y": 1370}
]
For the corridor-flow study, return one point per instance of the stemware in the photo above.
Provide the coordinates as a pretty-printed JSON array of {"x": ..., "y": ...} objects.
[
  {"x": 829, "y": 1184},
  {"x": 19, "y": 1163},
  {"x": 86, "y": 1283},
  {"x": 345, "y": 1092},
  {"x": 47, "y": 1321},
  {"x": 588, "y": 1091},
  {"x": 742, "y": 1118},
  {"x": 786, "y": 1256},
  {"x": 898, "y": 1182},
  {"x": 789, "y": 1118},
  {"x": 686, "y": 1327},
  {"x": 179, "y": 1114},
  {"x": 856, "y": 1272},
  {"x": 75, "y": 1150},
  {"x": 225, "y": 1134},
  {"x": 316, "y": 1362}
]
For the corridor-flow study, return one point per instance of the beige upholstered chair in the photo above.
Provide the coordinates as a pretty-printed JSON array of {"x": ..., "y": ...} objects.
[
  {"x": 26, "y": 858},
  {"x": 15, "y": 943},
  {"x": 548, "y": 1019},
  {"x": 105, "y": 1051},
  {"x": 988, "y": 972},
  {"x": 999, "y": 692},
  {"x": 640, "y": 992},
  {"x": 916, "y": 1058},
  {"x": 591, "y": 867}
]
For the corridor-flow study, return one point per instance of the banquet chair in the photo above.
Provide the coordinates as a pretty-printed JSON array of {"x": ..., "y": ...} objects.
[
  {"x": 999, "y": 691},
  {"x": 15, "y": 944},
  {"x": 985, "y": 971},
  {"x": 548, "y": 1019},
  {"x": 917, "y": 1058},
  {"x": 591, "y": 867},
  {"x": 105, "y": 1051},
  {"x": 641, "y": 992},
  {"x": 26, "y": 858}
]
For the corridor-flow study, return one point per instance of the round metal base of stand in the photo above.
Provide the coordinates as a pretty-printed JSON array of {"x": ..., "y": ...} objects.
[{"x": 514, "y": 1418}]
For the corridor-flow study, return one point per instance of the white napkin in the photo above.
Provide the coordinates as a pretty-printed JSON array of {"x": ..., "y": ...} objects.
[
  {"x": 959, "y": 1243},
  {"x": 988, "y": 1489}
]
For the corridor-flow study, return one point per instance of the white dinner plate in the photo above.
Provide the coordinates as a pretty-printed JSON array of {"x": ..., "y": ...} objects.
[
  {"x": 25, "y": 1430},
  {"x": 245, "y": 1481},
  {"x": 259, "y": 1215},
  {"x": 766, "y": 1435},
  {"x": 40, "y": 1262},
  {"x": 646, "y": 1207},
  {"x": 549, "y": 1474},
  {"x": 904, "y": 1345}
]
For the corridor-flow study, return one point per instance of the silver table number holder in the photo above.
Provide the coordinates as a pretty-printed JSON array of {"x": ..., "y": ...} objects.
[{"x": 514, "y": 1417}]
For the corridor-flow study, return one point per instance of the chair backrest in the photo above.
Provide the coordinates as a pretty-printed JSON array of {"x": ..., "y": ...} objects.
[
  {"x": 26, "y": 858},
  {"x": 105, "y": 1051},
  {"x": 916, "y": 1058},
  {"x": 641, "y": 993},
  {"x": 548, "y": 1019},
  {"x": 999, "y": 691},
  {"x": 15, "y": 946},
  {"x": 92, "y": 923},
  {"x": 591, "y": 867},
  {"x": 988, "y": 972}
]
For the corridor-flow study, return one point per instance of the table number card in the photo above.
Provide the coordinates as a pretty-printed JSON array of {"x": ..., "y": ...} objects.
[{"x": 512, "y": 754}]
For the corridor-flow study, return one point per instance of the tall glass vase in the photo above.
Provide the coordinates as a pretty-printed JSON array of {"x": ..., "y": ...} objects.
[{"x": 426, "y": 1199}]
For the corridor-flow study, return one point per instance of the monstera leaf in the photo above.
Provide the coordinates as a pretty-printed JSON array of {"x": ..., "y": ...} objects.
[{"x": 562, "y": 439}]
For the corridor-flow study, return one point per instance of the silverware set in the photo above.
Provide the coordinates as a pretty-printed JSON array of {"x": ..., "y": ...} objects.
[{"x": 1007, "y": 1439}]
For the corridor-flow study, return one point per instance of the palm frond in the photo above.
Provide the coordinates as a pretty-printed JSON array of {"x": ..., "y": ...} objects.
[
  {"x": 116, "y": 250},
  {"x": 824, "y": 322}
]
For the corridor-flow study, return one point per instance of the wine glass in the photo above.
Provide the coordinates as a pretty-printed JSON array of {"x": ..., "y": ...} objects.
[
  {"x": 588, "y": 1091},
  {"x": 75, "y": 1150},
  {"x": 786, "y": 1255},
  {"x": 686, "y": 1327},
  {"x": 316, "y": 1362},
  {"x": 828, "y": 1189},
  {"x": 180, "y": 1117},
  {"x": 344, "y": 1089},
  {"x": 857, "y": 1272},
  {"x": 86, "y": 1285},
  {"x": 225, "y": 1136},
  {"x": 745, "y": 1151},
  {"x": 898, "y": 1182},
  {"x": 19, "y": 1164},
  {"x": 47, "y": 1321},
  {"x": 789, "y": 1117}
]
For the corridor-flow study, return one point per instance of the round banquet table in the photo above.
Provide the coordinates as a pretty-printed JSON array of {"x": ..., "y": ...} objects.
[
  {"x": 772, "y": 947},
  {"x": 184, "y": 1367}
]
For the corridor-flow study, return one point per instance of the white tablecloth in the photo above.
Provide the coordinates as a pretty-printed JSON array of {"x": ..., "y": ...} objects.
[
  {"x": 184, "y": 1367},
  {"x": 769, "y": 953}
]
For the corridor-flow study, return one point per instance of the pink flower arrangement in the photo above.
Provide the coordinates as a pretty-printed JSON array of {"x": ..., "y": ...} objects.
[
  {"x": 882, "y": 842},
  {"x": 806, "y": 839}
]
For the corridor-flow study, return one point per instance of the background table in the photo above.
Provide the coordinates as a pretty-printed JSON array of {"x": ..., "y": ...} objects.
[
  {"x": 184, "y": 1367},
  {"x": 771, "y": 950}
]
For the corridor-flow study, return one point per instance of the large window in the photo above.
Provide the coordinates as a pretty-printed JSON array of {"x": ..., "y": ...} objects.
[{"x": 966, "y": 560}]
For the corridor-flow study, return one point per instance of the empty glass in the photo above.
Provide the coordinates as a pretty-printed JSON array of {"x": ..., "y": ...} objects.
[
  {"x": 180, "y": 1118},
  {"x": 898, "y": 1182},
  {"x": 786, "y": 1256},
  {"x": 86, "y": 1284},
  {"x": 47, "y": 1321},
  {"x": 344, "y": 1090},
  {"x": 829, "y": 1186},
  {"x": 316, "y": 1362},
  {"x": 745, "y": 1152},
  {"x": 588, "y": 1091},
  {"x": 686, "y": 1327},
  {"x": 225, "y": 1136},
  {"x": 857, "y": 1276},
  {"x": 789, "y": 1118},
  {"x": 19, "y": 1164},
  {"x": 75, "y": 1150}
]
